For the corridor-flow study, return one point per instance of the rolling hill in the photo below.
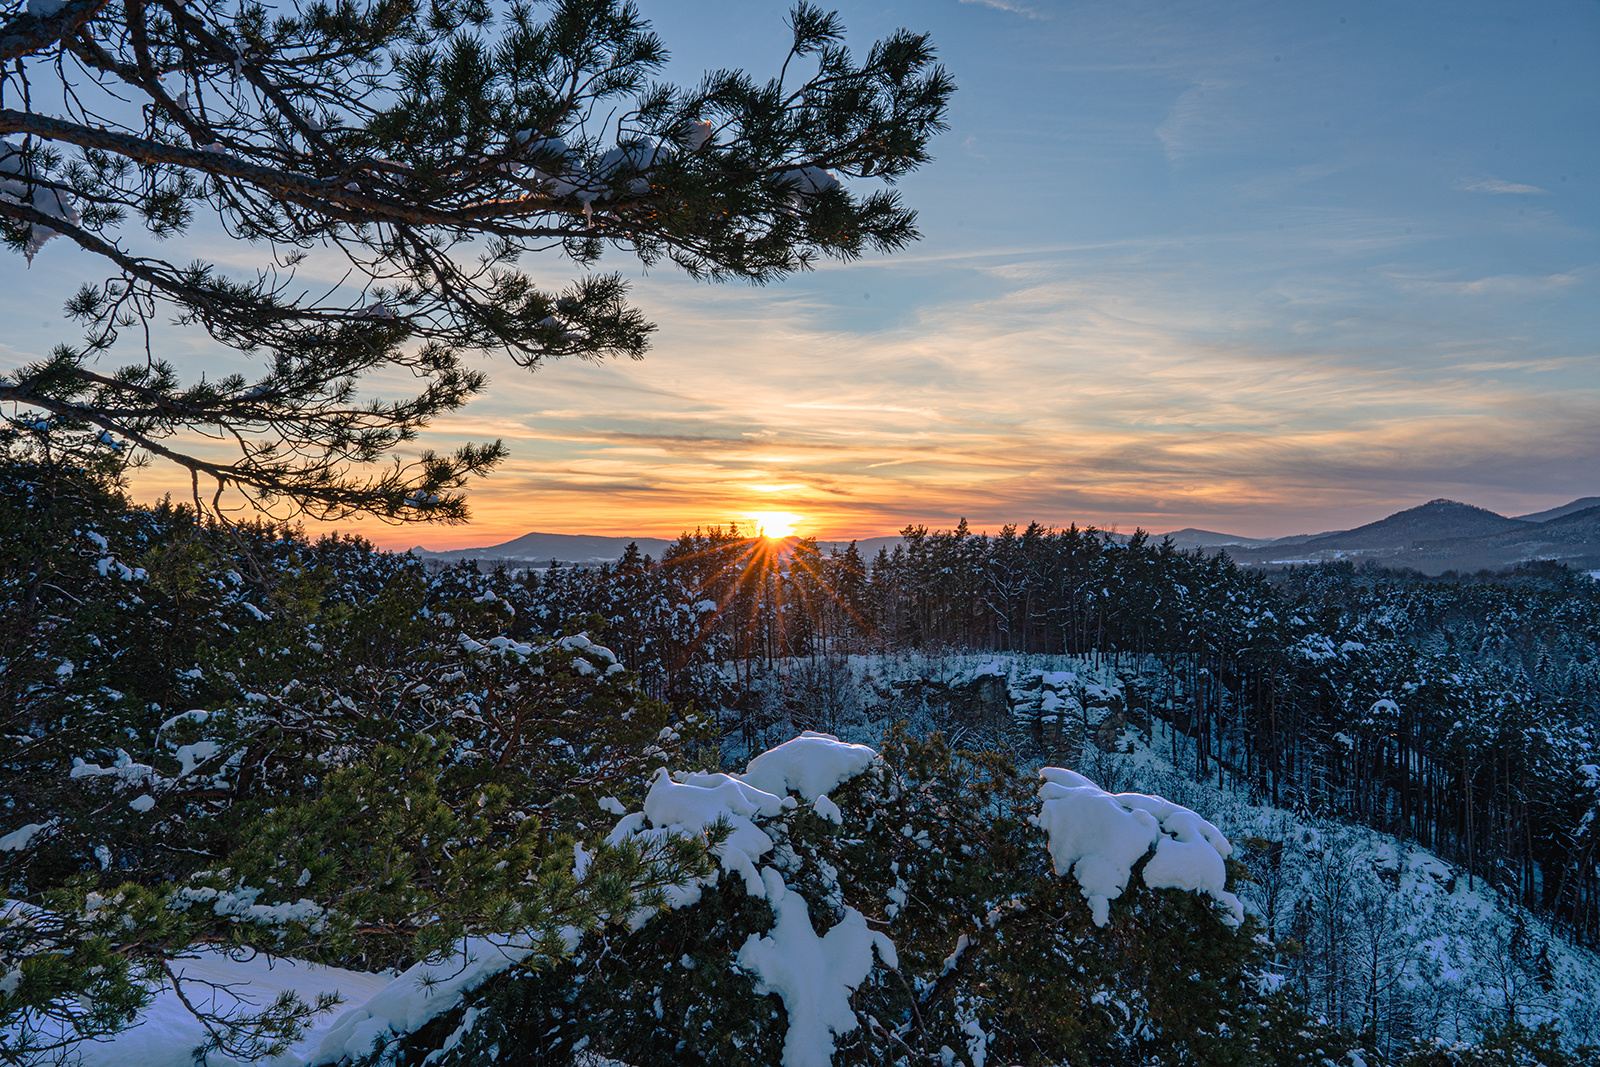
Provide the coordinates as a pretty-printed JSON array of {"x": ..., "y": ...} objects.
[
  {"x": 1581, "y": 504},
  {"x": 1444, "y": 535},
  {"x": 544, "y": 547}
]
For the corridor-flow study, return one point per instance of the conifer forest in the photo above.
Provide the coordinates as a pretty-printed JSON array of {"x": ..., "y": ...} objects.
[{"x": 237, "y": 743}]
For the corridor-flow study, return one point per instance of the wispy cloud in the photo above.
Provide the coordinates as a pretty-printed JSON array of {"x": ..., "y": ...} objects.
[
  {"x": 1495, "y": 185},
  {"x": 1008, "y": 5},
  {"x": 1195, "y": 117},
  {"x": 1127, "y": 385},
  {"x": 1493, "y": 285},
  {"x": 1099, "y": 395}
]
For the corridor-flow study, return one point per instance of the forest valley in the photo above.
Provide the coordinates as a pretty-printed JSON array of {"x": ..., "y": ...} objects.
[{"x": 1361, "y": 803}]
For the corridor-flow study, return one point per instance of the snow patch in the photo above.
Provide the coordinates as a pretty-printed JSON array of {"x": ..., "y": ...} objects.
[
  {"x": 20, "y": 177},
  {"x": 18, "y": 840},
  {"x": 191, "y": 756},
  {"x": 167, "y": 1032},
  {"x": 814, "y": 976},
  {"x": 423, "y": 993},
  {"x": 1099, "y": 836},
  {"x": 811, "y": 765},
  {"x": 702, "y": 800}
]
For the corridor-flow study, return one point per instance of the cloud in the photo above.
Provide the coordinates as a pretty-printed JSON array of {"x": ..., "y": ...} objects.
[
  {"x": 1089, "y": 389},
  {"x": 1229, "y": 382},
  {"x": 1276, "y": 183},
  {"x": 1495, "y": 185},
  {"x": 1008, "y": 5},
  {"x": 1249, "y": 381},
  {"x": 1195, "y": 117},
  {"x": 1494, "y": 285}
]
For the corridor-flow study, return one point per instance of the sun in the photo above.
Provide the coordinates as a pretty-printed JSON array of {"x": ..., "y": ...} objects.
[{"x": 774, "y": 524}]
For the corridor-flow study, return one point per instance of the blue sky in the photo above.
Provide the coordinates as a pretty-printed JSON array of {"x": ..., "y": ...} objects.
[{"x": 1259, "y": 267}]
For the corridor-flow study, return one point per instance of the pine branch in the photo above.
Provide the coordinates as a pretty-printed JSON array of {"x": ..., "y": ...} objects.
[
  {"x": 28, "y": 34},
  {"x": 400, "y": 136}
]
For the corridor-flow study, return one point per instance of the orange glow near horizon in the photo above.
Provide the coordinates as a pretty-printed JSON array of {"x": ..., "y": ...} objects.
[{"x": 774, "y": 524}]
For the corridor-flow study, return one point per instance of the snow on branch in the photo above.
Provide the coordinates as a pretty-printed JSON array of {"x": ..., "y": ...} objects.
[{"x": 1098, "y": 837}]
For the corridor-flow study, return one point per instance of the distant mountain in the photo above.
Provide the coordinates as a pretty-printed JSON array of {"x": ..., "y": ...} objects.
[
  {"x": 1573, "y": 539},
  {"x": 1565, "y": 509},
  {"x": 1446, "y": 535},
  {"x": 866, "y": 546},
  {"x": 1300, "y": 539},
  {"x": 1433, "y": 521},
  {"x": 544, "y": 547},
  {"x": 1190, "y": 538},
  {"x": 1385, "y": 539}
]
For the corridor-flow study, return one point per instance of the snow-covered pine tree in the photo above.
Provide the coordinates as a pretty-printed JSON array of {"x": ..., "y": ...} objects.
[
  {"x": 1510, "y": 1045},
  {"x": 245, "y": 742},
  {"x": 433, "y": 145},
  {"x": 906, "y": 911}
]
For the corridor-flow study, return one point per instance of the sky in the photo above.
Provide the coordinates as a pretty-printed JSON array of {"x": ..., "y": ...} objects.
[{"x": 1264, "y": 268}]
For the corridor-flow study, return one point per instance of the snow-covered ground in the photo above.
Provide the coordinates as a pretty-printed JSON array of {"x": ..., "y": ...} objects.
[
  {"x": 169, "y": 1032},
  {"x": 1409, "y": 930}
]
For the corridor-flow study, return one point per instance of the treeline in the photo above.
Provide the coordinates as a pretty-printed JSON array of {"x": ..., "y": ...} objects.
[
  {"x": 244, "y": 738},
  {"x": 1457, "y": 712}
]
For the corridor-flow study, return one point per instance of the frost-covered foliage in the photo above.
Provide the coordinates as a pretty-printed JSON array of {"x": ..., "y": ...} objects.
[
  {"x": 1377, "y": 934},
  {"x": 251, "y": 740},
  {"x": 661, "y": 619},
  {"x": 893, "y": 907},
  {"x": 1458, "y": 712},
  {"x": 1100, "y": 836},
  {"x": 223, "y": 742},
  {"x": 23, "y": 182}
]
